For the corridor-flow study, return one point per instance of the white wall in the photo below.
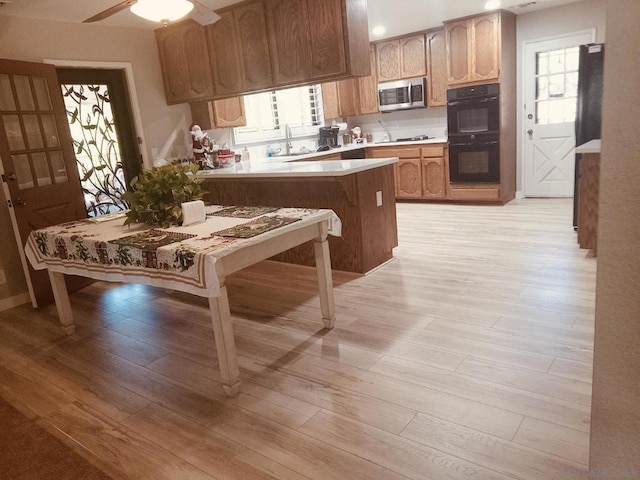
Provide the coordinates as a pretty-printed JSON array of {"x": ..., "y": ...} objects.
[
  {"x": 615, "y": 410},
  {"x": 549, "y": 23},
  {"x": 163, "y": 127}
]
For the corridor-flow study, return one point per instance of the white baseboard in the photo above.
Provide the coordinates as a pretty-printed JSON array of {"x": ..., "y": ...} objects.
[
  {"x": 10, "y": 302},
  {"x": 519, "y": 194}
]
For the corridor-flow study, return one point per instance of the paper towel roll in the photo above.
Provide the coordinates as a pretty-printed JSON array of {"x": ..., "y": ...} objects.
[{"x": 193, "y": 212}]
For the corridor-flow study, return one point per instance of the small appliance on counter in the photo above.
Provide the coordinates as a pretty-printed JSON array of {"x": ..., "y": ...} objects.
[{"x": 328, "y": 136}]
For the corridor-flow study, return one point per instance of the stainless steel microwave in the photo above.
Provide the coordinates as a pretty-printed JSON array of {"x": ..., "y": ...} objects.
[{"x": 402, "y": 94}]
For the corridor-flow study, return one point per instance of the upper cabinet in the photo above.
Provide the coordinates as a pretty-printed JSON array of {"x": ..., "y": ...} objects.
[
  {"x": 402, "y": 58},
  {"x": 184, "y": 62},
  {"x": 317, "y": 39},
  {"x": 436, "y": 69},
  {"x": 473, "y": 47},
  {"x": 368, "y": 88},
  {"x": 261, "y": 44},
  {"x": 239, "y": 50},
  {"x": 225, "y": 113}
]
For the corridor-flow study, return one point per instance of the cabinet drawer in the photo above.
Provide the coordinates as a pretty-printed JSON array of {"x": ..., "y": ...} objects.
[
  {"x": 475, "y": 194},
  {"x": 433, "y": 151},
  {"x": 384, "y": 152}
]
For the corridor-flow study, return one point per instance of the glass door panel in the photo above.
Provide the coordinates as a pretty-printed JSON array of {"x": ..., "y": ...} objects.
[
  {"x": 34, "y": 134},
  {"x": 23, "y": 171},
  {"x": 14, "y": 132},
  {"x": 50, "y": 131},
  {"x": 23, "y": 90},
  {"x": 7, "y": 103},
  {"x": 57, "y": 165},
  {"x": 41, "y": 88},
  {"x": 41, "y": 168}
]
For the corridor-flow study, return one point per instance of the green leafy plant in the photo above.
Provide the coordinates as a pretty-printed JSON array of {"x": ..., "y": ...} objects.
[{"x": 156, "y": 195}]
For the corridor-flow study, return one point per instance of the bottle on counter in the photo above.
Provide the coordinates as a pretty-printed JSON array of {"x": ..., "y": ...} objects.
[{"x": 246, "y": 156}]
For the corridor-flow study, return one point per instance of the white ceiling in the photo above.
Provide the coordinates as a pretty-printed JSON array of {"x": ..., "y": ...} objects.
[{"x": 398, "y": 16}]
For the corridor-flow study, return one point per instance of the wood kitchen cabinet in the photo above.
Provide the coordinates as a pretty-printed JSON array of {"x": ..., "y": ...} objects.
[
  {"x": 341, "y": 98},
  {"x": 184, "y": 62},
  {"x": 420, "y": 172},
  {"x": 433, "y": 172},
  {"x": 225, "y": 113},
  {"x": 436, "y": 69},
  {"x": 239, "y": 50},
  {"x": 368, "y": 88},
  {"x": 316, "y": 39},
  {"x": 262, "y": 44},
  {"x": 473, "y": 48},
  {"x": 401, "y": 58}
]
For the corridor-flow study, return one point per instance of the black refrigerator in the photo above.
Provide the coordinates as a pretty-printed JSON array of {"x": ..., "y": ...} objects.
[{"x": 589, "y": 111}]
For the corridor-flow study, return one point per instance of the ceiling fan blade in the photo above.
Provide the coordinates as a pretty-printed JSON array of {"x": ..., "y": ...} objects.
[
  {"x": 203, "y": 14},
  {"x": 110, "y": 11}
]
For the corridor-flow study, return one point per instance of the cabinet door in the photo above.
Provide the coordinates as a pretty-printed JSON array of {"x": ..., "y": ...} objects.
[
  {"x": 229, "y": 112},
  {"x": 412, "y": 57},
  {"x": 251, "y": 25},
  {"x": 219, "y": 113},
  {"x": 388, "y": 58},
  {"x": 348, "y": 97},
  {"x": 436, "y": 69},
  {"x": 327, "y": 38},
  {"x": 330, "y": 100},
  {"x": 224, "y": 55},
  {"x": 368, "y": 88},
  {"x": 184, "y": 61},
  {"x": 458, "y": 41},
  {"x": 409, "y": 179},
  {"x": 433, "y": 178},
  {"x": 486, "y": 48},
  {"x": 288, "y": 29}
]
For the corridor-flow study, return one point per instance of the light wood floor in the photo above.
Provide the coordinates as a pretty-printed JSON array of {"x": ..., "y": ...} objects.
[{"x": 466, "y": 357}]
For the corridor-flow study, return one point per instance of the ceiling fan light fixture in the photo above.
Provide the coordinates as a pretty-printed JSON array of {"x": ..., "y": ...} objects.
[{"x": 162, "y": 11}]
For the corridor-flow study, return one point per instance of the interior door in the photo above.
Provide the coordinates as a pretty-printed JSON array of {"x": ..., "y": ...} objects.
[
  {"x": 550, "y": 96},
  {"x": 39, "y": 173}
]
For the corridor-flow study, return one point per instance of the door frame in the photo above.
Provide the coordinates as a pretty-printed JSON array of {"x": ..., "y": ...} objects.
[
  {"x": 521, "y": 120},
  {"x": 133, "y": 94}
]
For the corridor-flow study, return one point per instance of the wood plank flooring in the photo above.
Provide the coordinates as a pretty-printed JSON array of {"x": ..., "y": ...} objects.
[{"x": 468, "y": 356}]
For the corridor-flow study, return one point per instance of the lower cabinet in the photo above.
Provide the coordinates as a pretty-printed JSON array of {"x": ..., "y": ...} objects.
[
  {"x": 409, "y": 178},
  {"x": 420, "y": 172}
]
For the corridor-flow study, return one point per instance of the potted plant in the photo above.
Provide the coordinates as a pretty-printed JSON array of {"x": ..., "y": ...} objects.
[{"x": 156, "y": 195}]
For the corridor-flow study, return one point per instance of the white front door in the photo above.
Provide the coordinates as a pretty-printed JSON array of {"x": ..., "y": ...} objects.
[{"x": 550, "y": 99}]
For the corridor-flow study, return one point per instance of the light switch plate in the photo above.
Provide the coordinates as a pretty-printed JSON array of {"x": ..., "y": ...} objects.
[{"x": 379, "y": 198}]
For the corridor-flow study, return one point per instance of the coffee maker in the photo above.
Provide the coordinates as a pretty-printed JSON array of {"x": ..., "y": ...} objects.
[{"x": 328, "y": 137}]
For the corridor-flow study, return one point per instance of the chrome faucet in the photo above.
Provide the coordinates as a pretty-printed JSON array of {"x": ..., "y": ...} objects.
[{"x": 288, "y": 147}]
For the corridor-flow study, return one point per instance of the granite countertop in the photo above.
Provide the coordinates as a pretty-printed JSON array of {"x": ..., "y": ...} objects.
[
  {"x": 592, "y": 146},
  {"x": 326, "y": 168}
]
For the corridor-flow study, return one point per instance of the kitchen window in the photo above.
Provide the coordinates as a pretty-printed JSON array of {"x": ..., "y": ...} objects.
[{"x": 268, "y": 112}]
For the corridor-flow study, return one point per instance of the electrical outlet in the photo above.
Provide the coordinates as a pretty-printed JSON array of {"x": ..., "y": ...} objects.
[
  {"x": 379, "y": 198},
  {"x": 3, "y": 277}
]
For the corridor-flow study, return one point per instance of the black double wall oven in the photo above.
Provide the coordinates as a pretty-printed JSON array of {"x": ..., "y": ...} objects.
[{"x": 473, "y": 122}]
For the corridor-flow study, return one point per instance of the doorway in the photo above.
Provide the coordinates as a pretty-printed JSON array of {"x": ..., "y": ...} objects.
[
  {"x": 103, "y": 132},
  {"x": 550, "y": 88}
]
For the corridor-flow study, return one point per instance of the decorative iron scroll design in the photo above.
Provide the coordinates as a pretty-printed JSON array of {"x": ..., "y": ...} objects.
[{"x": 96, "y": 147}]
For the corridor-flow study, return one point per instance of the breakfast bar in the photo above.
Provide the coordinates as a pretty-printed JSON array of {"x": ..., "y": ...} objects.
[{"x": 360, "y": 192}]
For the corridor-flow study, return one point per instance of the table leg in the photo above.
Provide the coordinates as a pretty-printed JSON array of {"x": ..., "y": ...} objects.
[
  {"x": 61, "y": 297},
  {"x": 325, "y": 281},
  {"x": 225, "y": 343}
]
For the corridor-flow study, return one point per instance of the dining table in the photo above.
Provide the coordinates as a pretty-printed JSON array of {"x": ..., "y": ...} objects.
[{"x": 194, "y": 258}]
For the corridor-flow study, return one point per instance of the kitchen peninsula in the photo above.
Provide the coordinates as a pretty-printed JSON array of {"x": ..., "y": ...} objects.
[{"x": 360, "y": 192}]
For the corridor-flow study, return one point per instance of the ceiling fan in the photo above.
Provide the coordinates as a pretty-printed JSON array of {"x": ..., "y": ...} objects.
[{"x": 164, "y": 11}]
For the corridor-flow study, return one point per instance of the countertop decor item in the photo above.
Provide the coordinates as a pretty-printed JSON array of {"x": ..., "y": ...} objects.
[{"x": 157, "y": 194}]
